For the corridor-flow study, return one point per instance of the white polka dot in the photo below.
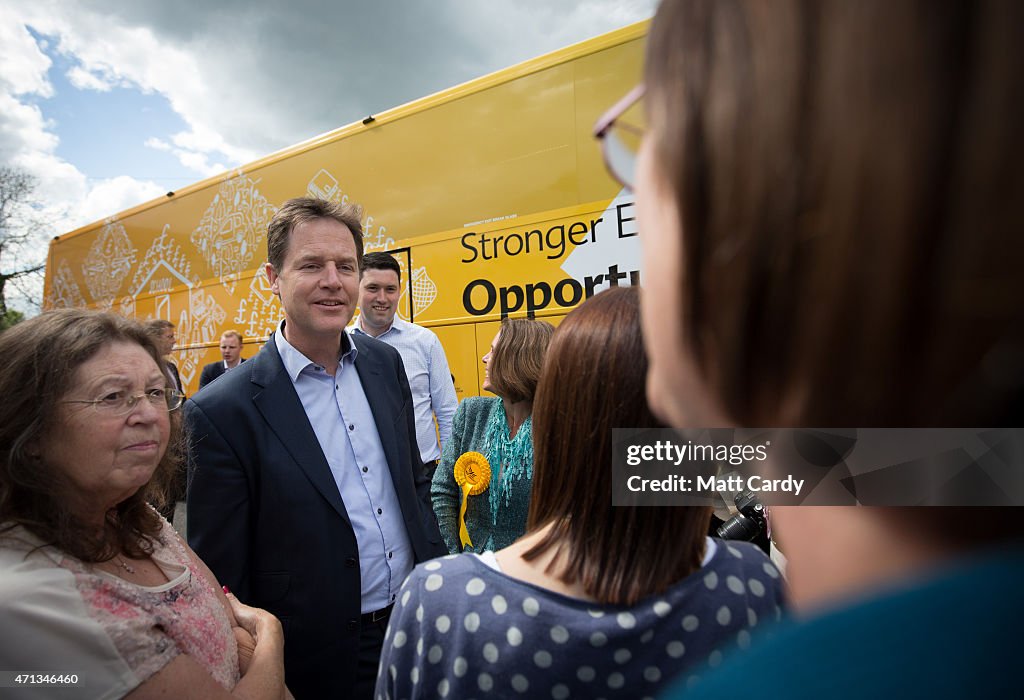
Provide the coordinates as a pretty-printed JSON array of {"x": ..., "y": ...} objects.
[
  {"x": 491, "y": 652},
  {"x": 419, "y": 647},
  {"x": 711, "y": 580},
  {"x": 485, "y": 682},
  {"x": 499, "y": 605},
  {"x": 622, "y": 656},
  {"x": 405, "y": 597},
  {"x": 475, "y": 586},
  {"x": 735, "y": 585},
  {"x": 756, "y": 587},
  {"x": 751, "y": 617},
  {"x": 460, "y": 666},
  {"x": 393, "y": 671},
  {"x": 542, "y": 659},
  {"x": 434, "y": 582},
  {"x": 715, "y": 659},
  {"x": 472, "y": 622},
  {"x": 443, "y": 687},
  {"x": 419, "y": 613},
  {"x": 559, "y": 634},
  {"x": 514, "y": 636},
  {"x": 735, "y": 552},
  {"x": 675, "y": 649},
  {"x": 598, "y": 639},
  {"x": 449, "y": 556},
  {"x": 432, "y": 565},
  {"x": 435, "y": 654},
  {"x": 724, "y": 615},
  {"x": 443, "y": 624},
  {"x": 770, "y": 570},
  {"x": 690, "y": 623},
  {"x": 586, "y": 673},
  {"x": 626, "y": 620},
  {"x": 414, "y": 675},
  {"x": 531, "y": 607},
  {"x": 400, "y": 639},
  {"x": 616, "y": 681},
  {"x": 652, "y": 674},
  {"x": 647, "y": 636},
  {"x": 559, "y": 692},
  {"x": 596, "y": 613},
  {"x": 692, "y": 681},
  {"x": 743, "y": 639},
  {"x": 662, "y": 608},
  {"x": 519, "y": 683}
]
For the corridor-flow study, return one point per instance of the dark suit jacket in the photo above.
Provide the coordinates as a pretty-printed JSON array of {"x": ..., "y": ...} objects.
[
  {"x": 212, "y": 371},
  {"x": 265, "y": 514},
  {"x": 172, "y": 370}
]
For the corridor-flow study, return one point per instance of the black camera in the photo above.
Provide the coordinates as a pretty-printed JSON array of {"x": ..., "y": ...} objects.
[{"x": 750, "y": 521}]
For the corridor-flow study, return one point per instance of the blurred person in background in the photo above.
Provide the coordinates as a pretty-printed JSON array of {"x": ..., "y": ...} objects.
[{"x": 231, "y": 356}]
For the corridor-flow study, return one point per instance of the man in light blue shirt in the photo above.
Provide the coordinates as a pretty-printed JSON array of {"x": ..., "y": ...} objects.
[
  {"x": 433, "y": 392},
  {"x": 307, "y": 494}
]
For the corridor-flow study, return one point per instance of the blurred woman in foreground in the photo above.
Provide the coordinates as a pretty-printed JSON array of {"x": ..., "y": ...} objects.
[
  {"x": 595, "y": 600},
  {"x": 95, "y": 583},
  {"x": 829, "y": 199}
]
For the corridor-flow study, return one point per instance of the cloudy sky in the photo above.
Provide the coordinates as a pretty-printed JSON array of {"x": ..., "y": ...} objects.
[{"x": 112, "y": 103}]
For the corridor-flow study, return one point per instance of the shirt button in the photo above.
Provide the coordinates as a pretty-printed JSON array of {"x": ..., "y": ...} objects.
[
  {"x": 351, "y": 427},
  {"x": 390, "y": 554},
  {"x": 365, "y": 469},
  {"x": 350, "y": 562},
  {"x": 392, "y": 597},
  {"x": 380, "y": 512}
]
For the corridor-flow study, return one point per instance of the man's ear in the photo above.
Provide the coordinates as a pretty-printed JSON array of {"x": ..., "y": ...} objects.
[{"x": 272, "y": 276}]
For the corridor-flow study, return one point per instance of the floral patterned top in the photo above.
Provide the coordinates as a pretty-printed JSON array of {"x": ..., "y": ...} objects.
[{"x": 62, "y": 616}]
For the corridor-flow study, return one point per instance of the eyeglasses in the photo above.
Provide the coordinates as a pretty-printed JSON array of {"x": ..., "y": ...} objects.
[
  {"x": 121, "y": 403},
  {"x": 620, "y": 140}
]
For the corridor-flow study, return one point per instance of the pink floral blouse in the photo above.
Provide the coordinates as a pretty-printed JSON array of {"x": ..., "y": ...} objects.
[{"x": 113, "y": 634}]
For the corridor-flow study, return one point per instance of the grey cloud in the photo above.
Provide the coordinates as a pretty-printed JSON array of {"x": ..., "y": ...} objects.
[{"x": 280, "y": 73}]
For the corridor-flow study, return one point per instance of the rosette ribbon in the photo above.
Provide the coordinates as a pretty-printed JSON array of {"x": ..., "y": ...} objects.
[{"x": 473, "y": 475}]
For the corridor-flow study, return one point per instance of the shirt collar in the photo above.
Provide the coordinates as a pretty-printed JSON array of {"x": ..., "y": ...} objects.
[
  {"x": 294, "y": 361},
  {"x": 397, "y": 326}
]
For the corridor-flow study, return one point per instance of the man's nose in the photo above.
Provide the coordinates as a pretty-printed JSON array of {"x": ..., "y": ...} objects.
[{"x": 330, "y": 277}]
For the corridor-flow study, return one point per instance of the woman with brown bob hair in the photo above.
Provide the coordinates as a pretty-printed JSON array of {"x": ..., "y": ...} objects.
[
  {"x": 595, "y": 600},
  {"x": 829, "y": 204},
  {"x": 95, "y": 583},
  {"x": 481, "y": 488}
]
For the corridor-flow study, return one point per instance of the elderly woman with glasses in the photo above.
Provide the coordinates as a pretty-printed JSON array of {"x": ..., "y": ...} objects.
[{"x": 98, "y": 592}]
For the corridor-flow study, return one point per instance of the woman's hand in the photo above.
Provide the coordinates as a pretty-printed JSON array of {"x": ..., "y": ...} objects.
[
  {"x": 246, "y": 648},
  {"x": 255, "y": 621}
]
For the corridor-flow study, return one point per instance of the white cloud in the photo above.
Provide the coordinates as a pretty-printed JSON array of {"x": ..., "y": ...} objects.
[{"x": 249, "y": 77}]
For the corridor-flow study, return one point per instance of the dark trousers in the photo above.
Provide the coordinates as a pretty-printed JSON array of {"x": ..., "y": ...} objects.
[
  {"x": 430, "y": 467},
  {"x": 371, "y": 641}
]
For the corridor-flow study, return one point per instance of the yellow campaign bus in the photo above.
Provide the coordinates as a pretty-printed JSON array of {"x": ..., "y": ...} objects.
[{"x": 492, "y": 195}]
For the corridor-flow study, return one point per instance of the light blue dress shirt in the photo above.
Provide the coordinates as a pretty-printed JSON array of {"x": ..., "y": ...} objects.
[
  {"x": 341, "y": 418},
  {"x": 433, "y": 393}
]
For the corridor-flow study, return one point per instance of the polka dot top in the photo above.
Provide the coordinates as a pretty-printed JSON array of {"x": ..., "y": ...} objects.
[{"x": 461, "y": 629}]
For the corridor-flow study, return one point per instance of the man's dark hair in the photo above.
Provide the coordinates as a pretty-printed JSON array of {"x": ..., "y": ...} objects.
[{"x": 380, "y": 261}]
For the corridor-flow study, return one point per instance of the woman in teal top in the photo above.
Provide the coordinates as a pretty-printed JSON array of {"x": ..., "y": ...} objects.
[{"x": 499, "y": 429}]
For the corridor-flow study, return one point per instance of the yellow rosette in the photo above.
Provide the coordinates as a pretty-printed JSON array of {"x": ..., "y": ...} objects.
[{"x": 473, "y": 475}]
